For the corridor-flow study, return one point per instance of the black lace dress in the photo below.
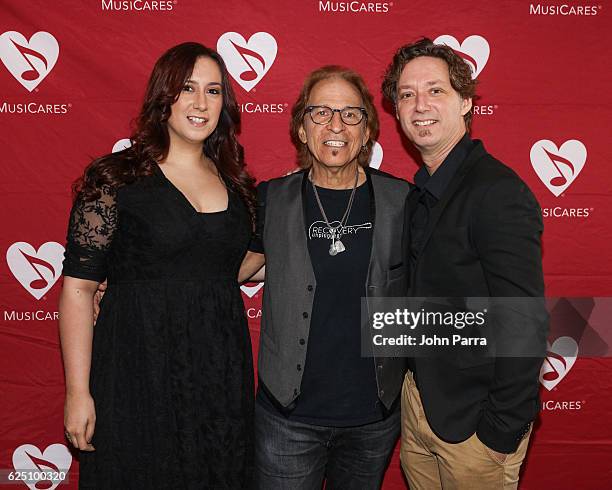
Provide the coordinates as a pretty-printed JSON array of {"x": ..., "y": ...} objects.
[{"x": 171, "y": 370}]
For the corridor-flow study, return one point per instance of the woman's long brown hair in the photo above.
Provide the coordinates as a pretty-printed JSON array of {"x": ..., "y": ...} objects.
[{"x": 150, "y": 139}]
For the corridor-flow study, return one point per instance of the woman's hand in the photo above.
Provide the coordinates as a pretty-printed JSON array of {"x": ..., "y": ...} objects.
[
  {"x": 97, "y": 299},
  {"x": 252, "y": 267},
  {"x": 80, "y": 420},
  {"x": 76, "y": 334}
]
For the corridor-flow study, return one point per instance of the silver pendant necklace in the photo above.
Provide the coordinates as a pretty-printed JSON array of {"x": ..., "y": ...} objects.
[{"x": 336, "y": 231}]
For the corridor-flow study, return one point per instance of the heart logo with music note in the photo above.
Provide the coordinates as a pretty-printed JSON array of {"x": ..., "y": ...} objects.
[
  {"x": 29, "y": 61},
  {"x": 36, "y": 270},
  {"x": 376, "y": 157},
  {"x": 122, "y": 144},
  {"x": 558, "y": 167},
  {"x": 251, "y": 291},
  {"x": 247, "y": 61},
  {"x": 53, "y": 460},
  {"x": 474, "y": 50},
  {"x": 560, "y": 358}
]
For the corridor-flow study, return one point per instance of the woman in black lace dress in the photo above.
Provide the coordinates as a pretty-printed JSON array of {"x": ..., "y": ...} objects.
[{"x": 159, "y": 394}]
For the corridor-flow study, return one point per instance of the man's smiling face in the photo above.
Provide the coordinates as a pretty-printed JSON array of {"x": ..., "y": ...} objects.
[{"x": 429, "y": 109}]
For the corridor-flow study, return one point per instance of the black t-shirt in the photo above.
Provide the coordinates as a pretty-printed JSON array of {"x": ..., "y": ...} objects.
[{"x": 338, "y": 385}]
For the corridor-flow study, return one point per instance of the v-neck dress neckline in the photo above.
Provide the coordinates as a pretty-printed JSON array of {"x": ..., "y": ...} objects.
[{"x": 182, "y": 197}]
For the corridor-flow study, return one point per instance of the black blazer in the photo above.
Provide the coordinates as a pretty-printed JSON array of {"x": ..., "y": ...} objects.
[{"x": 482, "y": 239}]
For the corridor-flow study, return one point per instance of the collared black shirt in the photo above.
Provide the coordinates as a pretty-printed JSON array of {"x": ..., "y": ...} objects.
[{"x": 431, "y": 189}]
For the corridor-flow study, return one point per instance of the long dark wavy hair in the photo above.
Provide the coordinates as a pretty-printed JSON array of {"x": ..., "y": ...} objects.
[{"x": 150, "y": 139}]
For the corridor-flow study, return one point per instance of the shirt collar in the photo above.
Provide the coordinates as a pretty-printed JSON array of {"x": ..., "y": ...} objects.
[{"x": 437, "y": 183}]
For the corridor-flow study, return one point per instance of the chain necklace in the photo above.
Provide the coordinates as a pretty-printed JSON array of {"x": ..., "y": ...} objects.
[{"x": 336, "y": 231}]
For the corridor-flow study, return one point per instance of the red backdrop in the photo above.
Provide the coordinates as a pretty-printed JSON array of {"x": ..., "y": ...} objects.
[{"x": 73, "y": 76}]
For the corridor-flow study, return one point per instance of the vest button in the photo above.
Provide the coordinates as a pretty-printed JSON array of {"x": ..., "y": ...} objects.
[
  {"x": 310, "y": 288},
  {"x": 295, "y": 391},
  {"x": 305, "y": 314},
  {"x": 302, "y": 341},
  {"x": 299, "y": 367}
]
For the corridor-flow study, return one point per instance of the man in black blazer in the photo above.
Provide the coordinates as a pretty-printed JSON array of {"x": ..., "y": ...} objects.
[{"x": 473, "y": 229}]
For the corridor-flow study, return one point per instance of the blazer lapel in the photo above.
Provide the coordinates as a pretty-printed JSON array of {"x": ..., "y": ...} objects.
[
  {"x": 304, "y": 190},
  {"x": 411, "y": 204},
  {"x": 370, "y": 185}
]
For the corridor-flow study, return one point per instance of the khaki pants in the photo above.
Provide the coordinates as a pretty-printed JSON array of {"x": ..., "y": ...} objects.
[{"x": 430, "y": 463}]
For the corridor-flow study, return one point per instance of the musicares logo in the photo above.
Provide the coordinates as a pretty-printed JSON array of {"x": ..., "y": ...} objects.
[
  {"x": 560, "y": 358},
  {"x": 251, "y": 291},
  {"x": 563, "y": 9},
  {"x": 247, "y": 61},
  {"x": 29, "y": 61},
  {"x": 355, "y": 7},
  {"x": 139, "y": 5},
  {"x": 54, "y": 461},
  {"x": 556, "y": 167},
  {"x": 474, "y": 50},
  {"x": 37, "y": 271},
  {"x": 122, "y": 144}
]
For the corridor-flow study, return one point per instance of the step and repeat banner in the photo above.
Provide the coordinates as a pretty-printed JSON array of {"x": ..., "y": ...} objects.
[{"x": 71, "y": 80}]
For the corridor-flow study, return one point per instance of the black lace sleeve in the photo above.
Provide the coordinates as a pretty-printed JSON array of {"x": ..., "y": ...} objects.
[
  {"x": 257, "y": 244},
  {"x": 90, "y": 234}
]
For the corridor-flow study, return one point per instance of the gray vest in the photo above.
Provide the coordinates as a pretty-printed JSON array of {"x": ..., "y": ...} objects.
[{"x": 290, "y": 281}]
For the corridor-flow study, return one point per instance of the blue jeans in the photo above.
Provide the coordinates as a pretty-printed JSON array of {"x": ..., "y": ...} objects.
[{"x": 295, "y": 456}]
